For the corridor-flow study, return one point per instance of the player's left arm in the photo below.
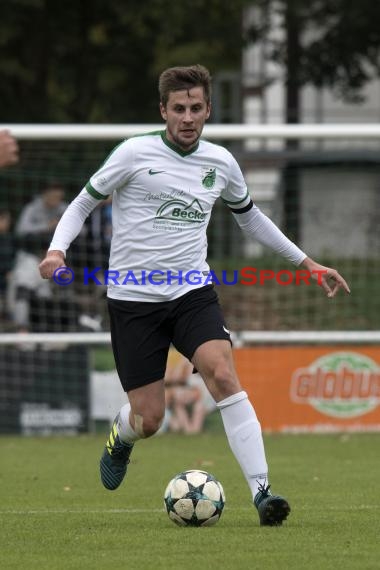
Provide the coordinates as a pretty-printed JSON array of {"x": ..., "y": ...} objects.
[{"x": 257, "y": 225}]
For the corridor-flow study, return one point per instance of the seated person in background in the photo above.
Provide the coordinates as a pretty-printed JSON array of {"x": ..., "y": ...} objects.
[
  {"x": 186, "y": 402},
  {"x": 34, "y": 230}
]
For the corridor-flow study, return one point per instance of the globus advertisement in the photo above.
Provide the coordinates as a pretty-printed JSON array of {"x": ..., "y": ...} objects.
[{"x": 313, "y": 389}]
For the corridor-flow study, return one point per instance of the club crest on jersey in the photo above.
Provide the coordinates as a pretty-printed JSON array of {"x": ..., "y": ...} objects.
[{"x": 208, "y": 176}]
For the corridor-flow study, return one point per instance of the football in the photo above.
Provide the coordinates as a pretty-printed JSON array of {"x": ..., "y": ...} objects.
[{"x": 194, "y": 498}]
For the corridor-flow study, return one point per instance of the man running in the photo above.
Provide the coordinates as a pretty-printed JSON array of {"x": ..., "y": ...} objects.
[{"x": 164, "y": 185}]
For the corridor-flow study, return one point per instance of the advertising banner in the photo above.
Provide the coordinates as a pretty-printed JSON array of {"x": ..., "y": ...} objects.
[
  {"x": 44, "y": 391},
  {"x": 312, "y": 389}
]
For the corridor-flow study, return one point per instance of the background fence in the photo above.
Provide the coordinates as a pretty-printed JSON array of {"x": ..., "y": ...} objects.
[{"x": 319, "y": 183}]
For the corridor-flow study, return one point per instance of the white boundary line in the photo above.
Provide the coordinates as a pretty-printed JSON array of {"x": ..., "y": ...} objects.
[
  {"x": 372, "y": 507},
  {"x": 78, "y": 512}
]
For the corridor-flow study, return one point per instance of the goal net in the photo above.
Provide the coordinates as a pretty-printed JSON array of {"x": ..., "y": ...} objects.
[{"x": 320, "y": 185}]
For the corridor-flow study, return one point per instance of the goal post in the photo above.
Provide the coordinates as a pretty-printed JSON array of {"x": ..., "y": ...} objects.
[{"x": 211, "y": 131}]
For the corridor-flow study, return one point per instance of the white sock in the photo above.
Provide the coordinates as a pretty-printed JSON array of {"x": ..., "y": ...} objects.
[
  {"x": 243, "y": 431},
  {"x": 124, "y": 428}
]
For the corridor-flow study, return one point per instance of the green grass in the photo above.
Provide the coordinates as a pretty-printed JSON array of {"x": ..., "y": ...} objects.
[{"x": 55, "y": 514}]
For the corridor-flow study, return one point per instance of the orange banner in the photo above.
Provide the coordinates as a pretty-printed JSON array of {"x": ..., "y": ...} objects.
[{"x": 312, "y": 389}]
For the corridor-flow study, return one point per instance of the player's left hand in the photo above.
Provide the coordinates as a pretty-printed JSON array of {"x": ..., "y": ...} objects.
[{"x": 327, "y": 277}]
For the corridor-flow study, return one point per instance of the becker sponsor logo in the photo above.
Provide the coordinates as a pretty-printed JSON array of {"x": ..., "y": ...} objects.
[
  {"x": 180, "y": 210},
  {"x": 340, "y": 385}
]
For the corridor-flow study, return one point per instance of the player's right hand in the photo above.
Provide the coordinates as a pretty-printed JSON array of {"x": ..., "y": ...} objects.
[{"x": 53, "y": 260}]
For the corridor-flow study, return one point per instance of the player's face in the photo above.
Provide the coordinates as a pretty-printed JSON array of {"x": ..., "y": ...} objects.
[{"x": 185, "y": 114}]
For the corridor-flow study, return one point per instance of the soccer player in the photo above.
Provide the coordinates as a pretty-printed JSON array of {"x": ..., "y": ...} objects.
[{"x": 164, "y": 185}]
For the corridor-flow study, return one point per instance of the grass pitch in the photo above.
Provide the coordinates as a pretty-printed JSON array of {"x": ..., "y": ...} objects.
[{"x": 56, "y": 515}]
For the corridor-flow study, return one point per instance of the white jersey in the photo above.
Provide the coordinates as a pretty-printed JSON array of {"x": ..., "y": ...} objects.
[{"x": 161, "y": 207}]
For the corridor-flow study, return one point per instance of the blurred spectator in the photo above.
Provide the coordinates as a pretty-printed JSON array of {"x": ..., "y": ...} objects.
[
  {"x": 6, "y": 257},
  {"x": 93, "y": 250},
  {"x": 8, "y": 149},
  {"x": 33, "y": 232},
  {"x": 39, "y": 219},
  {"x": 187, "y": 400},
  {"x": 99, "y": 233}
]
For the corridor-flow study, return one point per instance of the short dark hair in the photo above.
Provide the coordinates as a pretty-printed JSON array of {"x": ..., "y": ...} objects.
[{"x": 184, "y": 78}]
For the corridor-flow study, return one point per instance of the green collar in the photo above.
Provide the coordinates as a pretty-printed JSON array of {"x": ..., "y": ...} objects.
[{"x": 177, "y": 148}]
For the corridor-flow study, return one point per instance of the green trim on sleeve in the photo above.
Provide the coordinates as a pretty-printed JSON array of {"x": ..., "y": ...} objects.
[
  {"x": 94, "y": 193},
  {"x": 238, "y": 201}
]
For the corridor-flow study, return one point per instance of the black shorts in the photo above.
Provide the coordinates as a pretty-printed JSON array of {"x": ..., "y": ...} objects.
[{"x": 142, "y": 333}]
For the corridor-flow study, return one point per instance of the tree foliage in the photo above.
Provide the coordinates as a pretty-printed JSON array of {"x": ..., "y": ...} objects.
[
  {"x": 96, "y": 61},
  {"x": 326, "y": 43}
]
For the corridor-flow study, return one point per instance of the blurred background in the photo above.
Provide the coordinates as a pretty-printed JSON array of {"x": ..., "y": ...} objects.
[{"x": 273, "y": 62}]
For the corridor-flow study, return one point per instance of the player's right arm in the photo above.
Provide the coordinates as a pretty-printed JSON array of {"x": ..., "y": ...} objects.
[
  {"x": 111, "y": 176},
  {"x": 66, "y": 231}
]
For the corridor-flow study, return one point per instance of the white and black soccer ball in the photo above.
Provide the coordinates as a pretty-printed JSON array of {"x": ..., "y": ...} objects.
[{"x": 194, "y": 498}]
